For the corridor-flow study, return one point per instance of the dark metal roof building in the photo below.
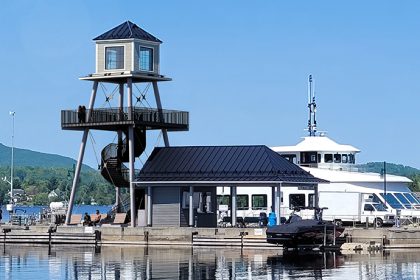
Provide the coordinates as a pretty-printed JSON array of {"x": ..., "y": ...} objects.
[
  {"x": 127, "y": 30},
  {"x": 221, "y": 164}
]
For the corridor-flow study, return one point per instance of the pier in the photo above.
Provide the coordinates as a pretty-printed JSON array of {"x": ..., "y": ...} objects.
[{"x": 255, "y": 238}]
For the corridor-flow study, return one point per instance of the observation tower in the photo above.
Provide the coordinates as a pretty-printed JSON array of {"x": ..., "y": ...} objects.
[{"x": 125, "y": 56}]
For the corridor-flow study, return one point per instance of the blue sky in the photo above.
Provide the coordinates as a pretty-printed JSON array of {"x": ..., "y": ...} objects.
[{"x": 239, "y": 67}]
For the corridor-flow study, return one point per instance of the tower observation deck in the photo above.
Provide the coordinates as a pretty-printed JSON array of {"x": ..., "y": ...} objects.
[{"x": 125, "y": 56}]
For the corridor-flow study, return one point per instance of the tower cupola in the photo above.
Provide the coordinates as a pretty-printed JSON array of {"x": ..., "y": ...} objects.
[{"x": 127, "y": 49}]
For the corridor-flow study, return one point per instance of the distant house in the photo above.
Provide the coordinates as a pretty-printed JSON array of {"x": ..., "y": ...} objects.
[
  {"x": 18, "y": 194},
  {"x": 52, "y": 194}
]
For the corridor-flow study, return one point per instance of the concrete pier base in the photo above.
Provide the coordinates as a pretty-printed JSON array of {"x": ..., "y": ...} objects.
[{"x": 357, "y": 238}]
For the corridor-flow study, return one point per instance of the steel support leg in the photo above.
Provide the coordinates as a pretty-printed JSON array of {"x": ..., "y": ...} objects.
[
  {"x": 159, "y": 106},
  {"x": 121, "y": 105},
  {"x": 81, "y": 155},
  {"x": 131, "y": 153}
]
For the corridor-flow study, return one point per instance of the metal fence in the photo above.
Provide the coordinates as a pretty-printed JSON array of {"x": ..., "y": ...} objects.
[{"x": 145, "y": 116}]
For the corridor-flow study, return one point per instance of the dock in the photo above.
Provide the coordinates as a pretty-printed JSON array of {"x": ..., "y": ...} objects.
[{"x": 356, "y": 238}]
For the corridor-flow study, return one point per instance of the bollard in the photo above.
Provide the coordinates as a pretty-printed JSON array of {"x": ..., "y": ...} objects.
[
  {"x": 97, "y": 237},
  {"x": 5, "y": 231},
  {"x": 242, "y": 234},
  {"x": 367, "y": 222},
  {"x": 192, "y": 237},
  {"x": 146, "y": 237}
]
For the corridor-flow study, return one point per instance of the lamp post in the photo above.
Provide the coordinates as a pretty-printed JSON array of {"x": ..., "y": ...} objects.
[
  {"x": 383, "y": 173},
  {"x": 10, "y": 205},
  {"x": 11, "y": 167}
]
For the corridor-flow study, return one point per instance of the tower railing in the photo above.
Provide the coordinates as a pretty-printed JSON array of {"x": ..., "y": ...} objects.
[{"x": 145, "y": 116}]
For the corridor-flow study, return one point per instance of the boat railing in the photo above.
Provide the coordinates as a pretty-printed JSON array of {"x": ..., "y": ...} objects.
[{"x": 337, "y": 167}]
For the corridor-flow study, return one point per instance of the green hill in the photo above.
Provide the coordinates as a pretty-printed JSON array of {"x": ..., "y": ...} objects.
[
  {"x": 39, "y": 174},
  {"x": 23, "y": 157},
  {"x": 391, "y": 168}
]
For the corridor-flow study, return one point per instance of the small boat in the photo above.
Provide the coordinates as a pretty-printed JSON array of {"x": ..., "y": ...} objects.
[{"x": 297, "y": 232}]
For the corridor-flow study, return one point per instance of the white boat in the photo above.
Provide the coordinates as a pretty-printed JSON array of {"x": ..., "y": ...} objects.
[{"x": 326, "y": 159}]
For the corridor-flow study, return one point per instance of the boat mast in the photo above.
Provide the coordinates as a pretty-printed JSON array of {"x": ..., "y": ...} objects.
[{"x": 312, "y": 108}]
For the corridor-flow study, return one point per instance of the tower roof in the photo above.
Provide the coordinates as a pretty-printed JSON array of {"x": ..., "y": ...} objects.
[{"x": 127, "y": 30}]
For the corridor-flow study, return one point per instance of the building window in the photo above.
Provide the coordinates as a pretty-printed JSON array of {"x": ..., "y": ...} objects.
[
  {"x": 146, "y": 59},
  {"x": 296, "y": 200},
  {"x": 344, "y": 158},
  {"x": 114, "y": 58},
  {"x": 259, "y": 201}
]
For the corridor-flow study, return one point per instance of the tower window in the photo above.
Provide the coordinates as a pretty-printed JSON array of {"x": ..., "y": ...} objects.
[
  {"x": 114, "y": 58},
  {"x": 146, "y": 59}
]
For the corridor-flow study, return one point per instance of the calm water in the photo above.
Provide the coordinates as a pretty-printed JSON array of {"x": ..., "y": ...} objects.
[
  {"x": 174, "y": 263},
  {"x": 36, "y": 210}
]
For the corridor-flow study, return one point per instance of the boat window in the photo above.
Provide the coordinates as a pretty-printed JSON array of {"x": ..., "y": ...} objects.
[
  {"x": 291, "y": 158},
  {"x": 308, "y": 157},
  {"x": 311, "y": 200},
  {"x": 242, "y": 202},
  {"x": 411, "y": 198},
  {"x": 351, "y": 158},
  {"x": 328, "y": 158},
  {"x": 344, "y": 158},
  {"x": 391, "y": 200},
  {"x": 403, "y": 200},
  {"x": 368, "y": 207},
  {"x": 337, "y": 158},
  {"x": 379, "y": 207},
  {"x": 223, "y": 200},
  {"x": 259, "y": 201},
  {"x": 296, "y": 200},
  {"x": 319, "y": 158}
]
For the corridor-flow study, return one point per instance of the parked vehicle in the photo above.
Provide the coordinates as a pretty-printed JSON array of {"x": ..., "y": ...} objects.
[{"x": 354, "y": 207}]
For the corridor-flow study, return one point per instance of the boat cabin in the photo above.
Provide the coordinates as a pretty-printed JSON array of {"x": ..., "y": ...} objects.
[{"x": 320, "y": 152}]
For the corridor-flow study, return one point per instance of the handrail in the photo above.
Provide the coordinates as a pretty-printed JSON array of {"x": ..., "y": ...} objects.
[{"x": 139, "y": 114}]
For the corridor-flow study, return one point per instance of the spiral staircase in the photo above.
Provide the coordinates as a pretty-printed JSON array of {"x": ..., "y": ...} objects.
[{"x": 114, "y": 155}]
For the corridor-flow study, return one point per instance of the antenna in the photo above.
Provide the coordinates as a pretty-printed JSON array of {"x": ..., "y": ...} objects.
[{"x": 312, "y": 108}]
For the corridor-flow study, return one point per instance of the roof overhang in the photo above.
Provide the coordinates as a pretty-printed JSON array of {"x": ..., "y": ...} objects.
[{"x": 223, "y": 183}]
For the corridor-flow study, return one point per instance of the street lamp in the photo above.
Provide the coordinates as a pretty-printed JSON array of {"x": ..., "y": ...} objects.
[{"x": 10, "y": 206}]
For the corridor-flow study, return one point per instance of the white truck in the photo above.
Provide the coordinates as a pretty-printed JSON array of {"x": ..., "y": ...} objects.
[{"x": 354, "y": 207}]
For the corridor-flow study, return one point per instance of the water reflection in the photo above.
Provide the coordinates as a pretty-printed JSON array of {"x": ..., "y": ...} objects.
[{"x": 186, "y": 263}]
